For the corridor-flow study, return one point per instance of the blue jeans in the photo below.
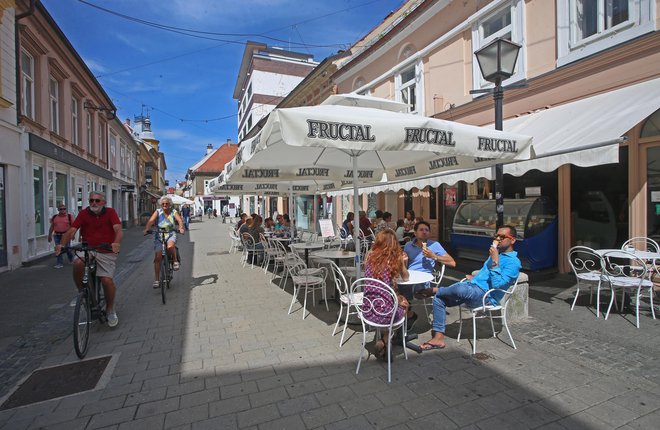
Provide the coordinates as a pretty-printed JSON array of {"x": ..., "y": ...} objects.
[
  {"x": 57, "y": 238},
  {"x": 186, "y": 221},
  {"x": 454, "y": 295}
]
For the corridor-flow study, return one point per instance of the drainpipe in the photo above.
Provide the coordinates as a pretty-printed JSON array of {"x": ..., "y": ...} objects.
[{"x": 17, "y": 49}]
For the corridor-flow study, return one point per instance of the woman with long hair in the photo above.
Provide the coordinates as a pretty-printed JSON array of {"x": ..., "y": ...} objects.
[{"x": 385, "y": 262}]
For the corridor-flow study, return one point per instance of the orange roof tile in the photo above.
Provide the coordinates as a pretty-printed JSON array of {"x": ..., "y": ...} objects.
[{"x": 216, "y": 162}]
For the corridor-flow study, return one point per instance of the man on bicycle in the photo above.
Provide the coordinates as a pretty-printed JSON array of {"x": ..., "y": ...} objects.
[
  {"x": 98, "y": 225},
  {"x": 166, "y": 217}
]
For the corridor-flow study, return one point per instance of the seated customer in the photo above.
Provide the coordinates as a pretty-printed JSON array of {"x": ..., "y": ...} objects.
[
  {"x": 500, "y": 271},
  {"x": 400, "y": 231}
]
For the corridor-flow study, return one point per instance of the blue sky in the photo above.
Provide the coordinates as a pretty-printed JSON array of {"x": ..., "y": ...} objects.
[{"x": 186, "y": 83}]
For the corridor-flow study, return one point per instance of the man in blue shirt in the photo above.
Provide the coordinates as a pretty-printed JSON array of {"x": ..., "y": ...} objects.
[
  {"x": 500, "y": 271},
  {"x": 423, "y": 253}
]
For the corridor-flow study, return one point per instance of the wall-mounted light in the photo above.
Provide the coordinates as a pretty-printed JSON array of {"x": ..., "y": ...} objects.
[{"x": 110, "y": 113}]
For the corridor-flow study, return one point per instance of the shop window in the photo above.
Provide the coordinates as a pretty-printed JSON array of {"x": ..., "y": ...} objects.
[
  {"x": 27, "y": 82},
  {"x": 652, "y": 125},
  {"x": 507, "y": 23},
  {"x": 585, "y": 27},
  {"x": 407, "y": 201},
  {"x": 38, "y": 195},
  {"x": 89, "y": 133},
  {"x": 54, "y": 95}
]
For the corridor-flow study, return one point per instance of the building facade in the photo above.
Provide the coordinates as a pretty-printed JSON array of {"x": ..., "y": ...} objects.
[{"x": 576, "y": 59}]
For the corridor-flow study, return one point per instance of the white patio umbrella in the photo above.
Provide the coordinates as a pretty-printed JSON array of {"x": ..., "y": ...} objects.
[
  {"x": 338, "y": 143},
  {"x": 178, "y": 200}
]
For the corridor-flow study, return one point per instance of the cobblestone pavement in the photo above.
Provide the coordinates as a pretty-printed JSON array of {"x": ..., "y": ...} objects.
[{"x": 223, "y": 353}]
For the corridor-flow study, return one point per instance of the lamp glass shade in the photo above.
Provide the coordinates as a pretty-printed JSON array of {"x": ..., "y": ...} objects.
[{"x": 497, "y": 60}]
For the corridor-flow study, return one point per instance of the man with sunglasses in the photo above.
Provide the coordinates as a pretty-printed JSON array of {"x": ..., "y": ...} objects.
[
  {"x": 98, "y": 225},
  {"x": 500, "y": 271},
  {"x": 59, "y": 224}
]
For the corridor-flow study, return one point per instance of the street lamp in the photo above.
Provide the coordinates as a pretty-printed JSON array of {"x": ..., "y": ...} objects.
[{"x": 497, "y": 62}]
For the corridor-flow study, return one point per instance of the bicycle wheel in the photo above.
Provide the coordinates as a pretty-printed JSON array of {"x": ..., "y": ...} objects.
[
  {"x": 82, "y": 318},
  {"x": 100, "y": 300},
  {"x": 163, "y": 277}
]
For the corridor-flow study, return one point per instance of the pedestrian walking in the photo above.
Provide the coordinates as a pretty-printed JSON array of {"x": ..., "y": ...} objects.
[
  {"x": 209, "y": 212},
  {"x": 185, "y": 212},
  {"x": 59, "y": 224}
]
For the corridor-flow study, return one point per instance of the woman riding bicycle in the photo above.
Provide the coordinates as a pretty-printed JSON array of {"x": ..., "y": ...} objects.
[{"x": 165, "y": 218}]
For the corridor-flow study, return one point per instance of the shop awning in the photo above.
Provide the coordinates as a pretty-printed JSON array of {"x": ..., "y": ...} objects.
[{"x": 585, "y": 132}]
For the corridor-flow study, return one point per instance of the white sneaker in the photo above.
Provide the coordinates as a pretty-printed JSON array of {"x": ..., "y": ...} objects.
[
  {"x": 112, "y": 319},
  {"x": 58, "y": 266}
]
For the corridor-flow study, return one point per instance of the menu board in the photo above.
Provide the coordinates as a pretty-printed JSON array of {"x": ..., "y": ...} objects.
[{"x": 327, "y": 230}]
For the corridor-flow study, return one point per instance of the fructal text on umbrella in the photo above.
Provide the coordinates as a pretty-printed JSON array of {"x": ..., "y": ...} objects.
[
  {"x": 497, "y": 145},
  {"x": 339, "y": 131},
  {"x": 429, "y": 135}
]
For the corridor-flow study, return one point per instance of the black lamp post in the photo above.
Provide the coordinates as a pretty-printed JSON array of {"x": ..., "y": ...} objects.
[{"x": 497, "y": 62}]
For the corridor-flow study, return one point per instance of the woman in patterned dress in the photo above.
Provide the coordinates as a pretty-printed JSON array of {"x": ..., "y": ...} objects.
[{"x": 385, "y": 262}]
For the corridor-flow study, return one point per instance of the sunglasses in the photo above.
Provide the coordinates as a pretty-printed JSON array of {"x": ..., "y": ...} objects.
[
  {"x": 61, "y": 209},
  {"x": 164, "y": 204},
  {"x": 95, "y": 200},
  {"x": 502, "y": 236}
]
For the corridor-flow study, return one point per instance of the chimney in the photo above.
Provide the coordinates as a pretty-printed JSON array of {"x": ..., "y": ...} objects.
[
  {"x": 228, "y": 140},
  {"x": 209, "y": 148},
  {"x": 128, "y": 122}
]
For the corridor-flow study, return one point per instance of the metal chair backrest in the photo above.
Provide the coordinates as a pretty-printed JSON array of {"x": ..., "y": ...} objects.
[
  {"x": 379, "y": 300},
  {"x": 641, "y": 244},
  {"x": 339, "y": 278},
  {"x": 624, "y": 265},
  {"x": 584, "y": 260},
  {"x": 438, "y": 274}
]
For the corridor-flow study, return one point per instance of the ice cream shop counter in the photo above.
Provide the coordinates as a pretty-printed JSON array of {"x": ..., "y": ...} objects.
[{"x": 535, "y": 220}]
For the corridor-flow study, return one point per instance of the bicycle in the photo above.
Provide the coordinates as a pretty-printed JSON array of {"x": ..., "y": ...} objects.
[
  {"x": 90, "y": 303},
  {"x": 166, "y": 265}
]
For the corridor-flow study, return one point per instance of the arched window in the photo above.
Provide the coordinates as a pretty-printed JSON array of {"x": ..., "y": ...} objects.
[{"x": 652, "y": 125}]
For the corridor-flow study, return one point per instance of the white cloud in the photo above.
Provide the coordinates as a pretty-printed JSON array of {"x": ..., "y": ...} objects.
[{"x": 95, "y": 66}]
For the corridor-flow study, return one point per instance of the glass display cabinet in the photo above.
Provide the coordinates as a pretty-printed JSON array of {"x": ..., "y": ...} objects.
[{"x": 535, "y": 220}]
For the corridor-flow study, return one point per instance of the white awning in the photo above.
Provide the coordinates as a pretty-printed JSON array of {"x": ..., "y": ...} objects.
[{"x": 585, "y": 132}]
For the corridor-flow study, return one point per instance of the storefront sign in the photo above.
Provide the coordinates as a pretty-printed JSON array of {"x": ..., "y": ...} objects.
[
  {"x": 326, "y": 228},
  {"x": 655, "y": 196},
  {"x": 532, "y": 191}
]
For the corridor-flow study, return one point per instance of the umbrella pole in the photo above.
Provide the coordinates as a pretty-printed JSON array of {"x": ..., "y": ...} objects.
[{"x": 356, "y": 219}]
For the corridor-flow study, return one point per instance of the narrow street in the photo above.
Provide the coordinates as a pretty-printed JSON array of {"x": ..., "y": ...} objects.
[{"x": 223, "y": 353}]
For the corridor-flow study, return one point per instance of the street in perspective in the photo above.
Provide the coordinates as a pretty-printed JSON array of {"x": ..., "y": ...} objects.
[
  {"x": 312, "y": 214},
  {"x": 223, "y": 352}
]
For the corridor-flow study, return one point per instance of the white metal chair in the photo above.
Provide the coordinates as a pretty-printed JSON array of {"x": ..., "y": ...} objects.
[
  {"x": 486, "y": 311},
  {"x": 625, "y": 271},
  {"x": 379, "y": 310},
  {"x": 251, "y": 249},
  {"x": 235, "y": 240},
  {"x": 427, "y": 302},
  {"x": 346, "y": 300},
  {"x": 642, "y": 244},
  {"x": 587, "y": 267},
  {"x": 310, "y": 283}
]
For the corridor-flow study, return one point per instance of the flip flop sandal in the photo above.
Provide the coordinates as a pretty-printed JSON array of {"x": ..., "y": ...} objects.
[{"x": 431, "y": 347}]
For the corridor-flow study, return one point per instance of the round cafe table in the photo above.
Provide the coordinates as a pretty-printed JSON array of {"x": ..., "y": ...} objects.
[
  {"x": 334, "y": 255},
  {"x": 416, "y": 277},
  {"x": 306, "y": 246}
]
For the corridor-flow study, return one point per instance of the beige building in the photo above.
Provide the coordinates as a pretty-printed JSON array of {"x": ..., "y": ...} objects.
[{"x": 591, "y": 70}]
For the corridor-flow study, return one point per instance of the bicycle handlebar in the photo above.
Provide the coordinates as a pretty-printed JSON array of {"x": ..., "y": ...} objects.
[{"x": 83, "y": 246}]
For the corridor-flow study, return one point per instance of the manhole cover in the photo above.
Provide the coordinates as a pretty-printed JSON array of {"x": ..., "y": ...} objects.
[
  {"x": 218, "y": 253},
  {"x": 58, "y": 381}
]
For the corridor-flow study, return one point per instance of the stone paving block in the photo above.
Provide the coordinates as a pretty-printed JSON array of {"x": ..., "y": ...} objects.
[
  {"x": 186, "y": 388},
  {"x": 552, "y": 426},
  {"x": 435, "y": 421},
  {"x": 391, "y": 416},
  {"x": 369, "y": 387},
  {"x": 361, "y": 405},
  {"x": 157, "y": 407},
  {"x": 150, "y": 374},
  {"x": 292, "y": 422},
  {"x": 77, "y": 424},
  {"x": 307, "y": 373},
  {"x": 467, "y": 413},
  {"x": 256, "y": 416},
  {"x": 257, "y": 374},
  {"x": 498, "y": 403},
  {"x": 274, "y": 381},
  {"x": 356, "y": 422},
  {"x": 162, "y": 381},
  {"x": 267, "y": 397},
  {"x": 267, "y": 360},
  {"x": 117, "y": 416},
  {"x": 186, "y": 416},
  {"x": 322, "y": 416},
  {"x": 338, "y": 380},
  {"x": 533, "y": 415},
  {"x": 229, "y": 406},
  {"x": 422, "y": 406},
  {"x": 456, "y": 396},
  {"x": 200, "y": 397},
  {"x": 222, "y": 379},
  {"x": 103, "y": 405},
  {"x": 563, "y": 404},
  {"x": 227, "y": 422},
  {"x": 79, "y": 400},
  {"x": 235, "y": 390},
  {"x": 58, "y": 416},
  {"x": 583, "y": 420},
  {"x": 152, "y": 422},
  {"x": 304, "y": 387},
  {"x": 612, "y": 413},
  {"x": 335, "y": 395},
  {"x": 639, "y": 401},
  {"x": 297, "y": 405},
  {"x": 396, "y": 395},
  {"x": 589, "y": 394}
]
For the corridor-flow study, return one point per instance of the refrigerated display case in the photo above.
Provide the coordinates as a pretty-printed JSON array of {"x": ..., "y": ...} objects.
[{"x": 535, "y": 220}]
